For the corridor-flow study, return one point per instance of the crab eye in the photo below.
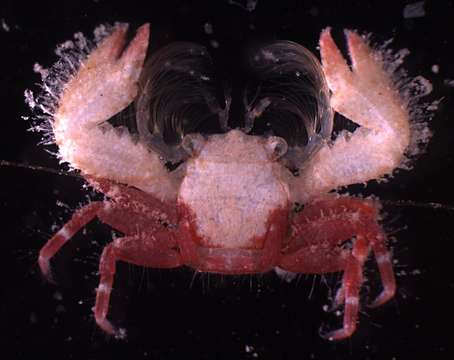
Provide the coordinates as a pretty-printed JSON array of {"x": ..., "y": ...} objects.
[
  {"x": 193, "y": 143},
  {"x": 178, "y": 94},
  {"x": 276, "y": 146},
  {"x": 289, "y": 80}
]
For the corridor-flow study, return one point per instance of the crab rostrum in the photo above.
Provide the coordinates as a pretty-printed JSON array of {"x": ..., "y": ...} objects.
[{"x": 227, "y": 205}]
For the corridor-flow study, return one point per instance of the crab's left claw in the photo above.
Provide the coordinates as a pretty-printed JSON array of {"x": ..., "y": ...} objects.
[{"x": 365, "y": 93}]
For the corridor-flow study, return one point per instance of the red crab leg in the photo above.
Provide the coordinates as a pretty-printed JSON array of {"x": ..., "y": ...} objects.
[
  {"x": 384, "y": 262},
  {"x": 351, "y": 284},
  {"x": 315, "y": 247},
  {"x": 150, "y": 250},
  {"x": 79, "y": 219}
]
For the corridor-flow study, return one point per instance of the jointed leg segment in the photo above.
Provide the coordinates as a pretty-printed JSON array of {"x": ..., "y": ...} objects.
[
  {"x": 79, "y": 219},
  {"x": 143, "y": 250},
  {"x": 152, "y": 246},
  {"x": 316, "y": 246}
]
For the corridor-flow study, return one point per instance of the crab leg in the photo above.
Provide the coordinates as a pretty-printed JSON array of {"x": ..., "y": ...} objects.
[
  {"x": 366, "y": 95},
  {"x": 79, "y": 219},
  {"x": 384, "y": 263},
  {"x": 151, "y": 250},
  {"x": 351, "y": 284},
  {"x": 315, "y": 246}
]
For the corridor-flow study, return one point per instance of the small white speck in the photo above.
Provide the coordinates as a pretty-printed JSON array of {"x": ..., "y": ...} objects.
[
  {"x": 214, "y": 44},
  {"x": 250, "y": 4},
  {"x": 268, "y": 55},
  {"x": 33, "y": 318},
  {"x": 284, "y": 275},
  {"x": 5, "y": 26},
  {"x": 314, "y": 11},
  {"x": 449, "y": 82},
  {"x": 208, "y": 28},
  {"x": 414, "y": 10},
  {"x": 435, "y": 68},
  {"x": 58, "y": 296}
]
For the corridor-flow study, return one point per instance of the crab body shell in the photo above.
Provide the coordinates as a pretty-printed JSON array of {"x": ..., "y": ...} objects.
[
  {"x": 230, "y": 197},
  {"x": 229, "y": 207}
]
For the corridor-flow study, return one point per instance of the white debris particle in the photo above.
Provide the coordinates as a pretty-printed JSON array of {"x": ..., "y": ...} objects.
[
  {"x": 314, "y": 11},
  {"x": 63, "y": 47},
  {"x": 29, "y": 99},
  {"x": 284, "y": 275},
  {"x": 208, "y": 28},
  {"x": 435, "y": 68},
  {"x": 416, "y": 272},
  {"x": 33, "y": 318},
  {"x": 325, "y": 308},
  {"x": 250, "y": 4},
  {"x": 43, "y": 72},
  {"x": 268, "y": 55},
  {"x": 433, "y": 106},
  {"x": 214, "y": 44},
  {"x": 414, "y": 10},
  {"x": 249, "y": 348},
  {"x": 80, "y": 302},
  {"x": 5, "y": 26},
  {"x": 449, "y": 82},
  {"x": 58, "y": 296}
]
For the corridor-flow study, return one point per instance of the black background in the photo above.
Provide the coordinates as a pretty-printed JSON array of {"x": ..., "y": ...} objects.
[{"x": 177, "y": 314}]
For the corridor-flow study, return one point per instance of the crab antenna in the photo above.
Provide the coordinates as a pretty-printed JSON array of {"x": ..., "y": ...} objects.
[
  {"x": 255, "y": 112},
  {"x": 417, "y": 204},
  {"x": 39, "y": 168}
]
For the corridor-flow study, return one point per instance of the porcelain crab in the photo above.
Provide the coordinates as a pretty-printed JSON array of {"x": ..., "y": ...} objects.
[{"x": 228, "y": 205}]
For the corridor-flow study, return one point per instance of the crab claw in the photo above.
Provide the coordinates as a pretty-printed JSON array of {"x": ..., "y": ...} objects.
[
  {"x": 105, "y": 84},
  {"x": 365, "y": 92}
]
